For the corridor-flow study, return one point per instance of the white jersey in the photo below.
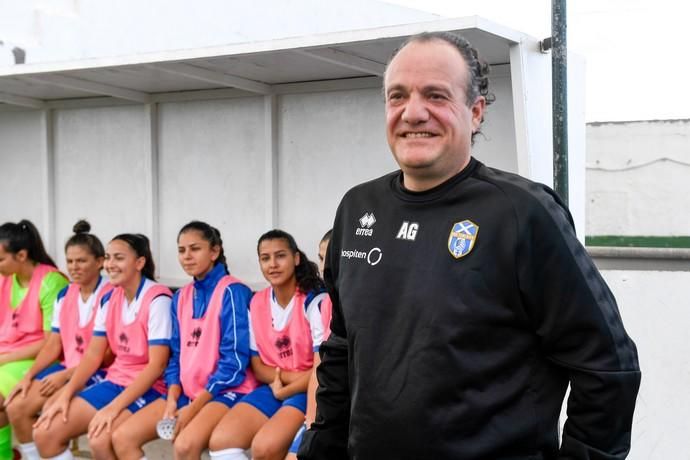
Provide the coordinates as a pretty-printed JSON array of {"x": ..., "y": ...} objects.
[
  {"x": 159, "y": 322},
  {"x": 85, "y": 306},
  {"x": 280, "y": 317}
]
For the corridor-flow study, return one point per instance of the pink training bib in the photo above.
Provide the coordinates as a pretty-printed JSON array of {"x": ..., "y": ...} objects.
[
  {"x": 292, "y": 348},
  {"x": 75, "y": 339},
  {"x": 129, "y": 342},
  {"x": 23, "y": 325},
  {"x": 200, "y": 341}
]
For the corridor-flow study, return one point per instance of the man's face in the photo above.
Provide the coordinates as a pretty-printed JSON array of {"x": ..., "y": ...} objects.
[{"x": 429, "y": 124}]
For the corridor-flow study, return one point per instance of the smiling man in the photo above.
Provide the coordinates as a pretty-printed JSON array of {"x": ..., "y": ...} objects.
[{"x": 468, "y": 305}]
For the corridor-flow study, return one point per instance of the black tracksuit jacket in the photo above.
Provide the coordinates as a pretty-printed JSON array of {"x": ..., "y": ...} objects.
[{"x": 468, "y": 356}]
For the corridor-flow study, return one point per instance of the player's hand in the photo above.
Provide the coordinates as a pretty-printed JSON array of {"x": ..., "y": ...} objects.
[
  {"x": 184, "y": 416},
  {"x": 170, "y": 408},
  {"x": 51, "y": 383},
  {"x": 20, "y": 389},
  {"x": 59, "y": 406},
  {"x": 103, "y": 420},
  {"x": 277, "y": 385}
]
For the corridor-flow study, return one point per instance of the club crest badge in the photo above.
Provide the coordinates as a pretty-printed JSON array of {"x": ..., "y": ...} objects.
[{"x": 462, "y": 237}]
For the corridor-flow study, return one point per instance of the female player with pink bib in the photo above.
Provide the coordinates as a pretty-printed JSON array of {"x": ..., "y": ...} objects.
[
  {"x": 207, "y": 371},
  {"x": 73, "y": 318},
  {"x": 286, "y": 331},
  {"x": 29, "y": 284},
  {"x": 134, "y": 321}
]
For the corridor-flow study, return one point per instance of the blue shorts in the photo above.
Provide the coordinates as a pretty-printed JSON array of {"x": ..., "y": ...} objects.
[
  {"x": 101, "y": 394},
  {"x": 294, "y": 447},
  {"x": 98, "y": 377},
  {"x": 229, "y": 398},
  {"x": 262, "y": 398}
]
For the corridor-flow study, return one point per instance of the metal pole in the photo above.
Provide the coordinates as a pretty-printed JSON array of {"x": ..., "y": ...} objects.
[{"x": 559, "y": 95}]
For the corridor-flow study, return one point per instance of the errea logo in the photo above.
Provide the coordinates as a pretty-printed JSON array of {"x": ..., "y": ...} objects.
[{"x": 365, "y": 223}]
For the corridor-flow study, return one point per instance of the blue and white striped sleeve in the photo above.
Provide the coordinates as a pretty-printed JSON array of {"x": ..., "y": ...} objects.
[
  {"x": 57, "y": 307},
  {"x": 253, "y": 348},
  {"x": 313, "y": 312},
  {"x": 160, "y": 323},
  {"x": 99, "y": 328},
  {"x": 234, "y": 341}
]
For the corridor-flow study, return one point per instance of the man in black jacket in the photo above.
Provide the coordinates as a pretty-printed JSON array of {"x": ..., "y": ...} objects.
[{"x": 463, "y": 303}]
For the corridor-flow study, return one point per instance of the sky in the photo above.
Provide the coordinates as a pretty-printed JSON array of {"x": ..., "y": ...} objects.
[{"x": 637, "y": 64}]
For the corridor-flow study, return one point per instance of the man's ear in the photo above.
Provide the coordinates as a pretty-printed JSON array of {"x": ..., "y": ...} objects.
[{"x": 478, "y": 112}]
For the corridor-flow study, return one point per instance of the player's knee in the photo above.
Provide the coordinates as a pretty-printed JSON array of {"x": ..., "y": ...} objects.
[
  {"x": 187, "y": 446},
  {"x": 263, "y": 447},
  {"x": 121, "y": 440},
  {"x": 100, "y": 445},
  {"x": 17, "y": 409},
  {"x": 40, "y": 437},
  {"x": 49, "y": 442},
  {"x": 219, "y": 439}
]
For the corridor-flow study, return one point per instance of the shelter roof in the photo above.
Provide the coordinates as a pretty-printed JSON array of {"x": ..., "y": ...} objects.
[{"x": 254, "y": 67}]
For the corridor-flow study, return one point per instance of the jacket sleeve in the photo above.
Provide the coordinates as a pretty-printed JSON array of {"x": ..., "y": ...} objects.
[
  {"x": 579, "y": 326},
  {"x": 234, "y": 343},
  {"x": 327, "y": 437}
]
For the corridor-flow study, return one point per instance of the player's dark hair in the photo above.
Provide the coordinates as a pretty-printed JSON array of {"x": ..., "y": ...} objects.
[
  {"x": 208, "y": 233},
  {"x": 478, "y": 83},
  {"x": 141, "y": 247},
  {"x": 24, "y": 236},
  {"x": 83, "y": 238},
  {"x": 326, "y": 236},
  {"x": 306, "y": 272}
]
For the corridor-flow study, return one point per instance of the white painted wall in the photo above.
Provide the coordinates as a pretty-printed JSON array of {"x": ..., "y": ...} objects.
[
  {"x": 211, "y": 168},
  {"x": 100, "y": 172},
  {"x": 22, "y": 167},
  {"x": 653, "y": 306},
  {"x": 496, "y": 145},
  {"x": 637, "y": 178},
  {"x": 328, "y": 142}
]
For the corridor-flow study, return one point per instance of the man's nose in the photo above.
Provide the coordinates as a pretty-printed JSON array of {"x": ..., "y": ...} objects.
[{"x": 415, "y": 110}]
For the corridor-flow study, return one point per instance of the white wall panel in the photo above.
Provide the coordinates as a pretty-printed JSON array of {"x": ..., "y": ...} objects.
[
  {"x": 328, "y": 142},
  {"x": 495, "y": 145},
  {"x": 101, "y": 168},
  {"x": 22, "y": 158},
  {"x": 653, "y": 305},
  {"x": 637, "y": 178},
  {"x": 211, "y": 168},
  {"x": 652, "y": 200}
]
